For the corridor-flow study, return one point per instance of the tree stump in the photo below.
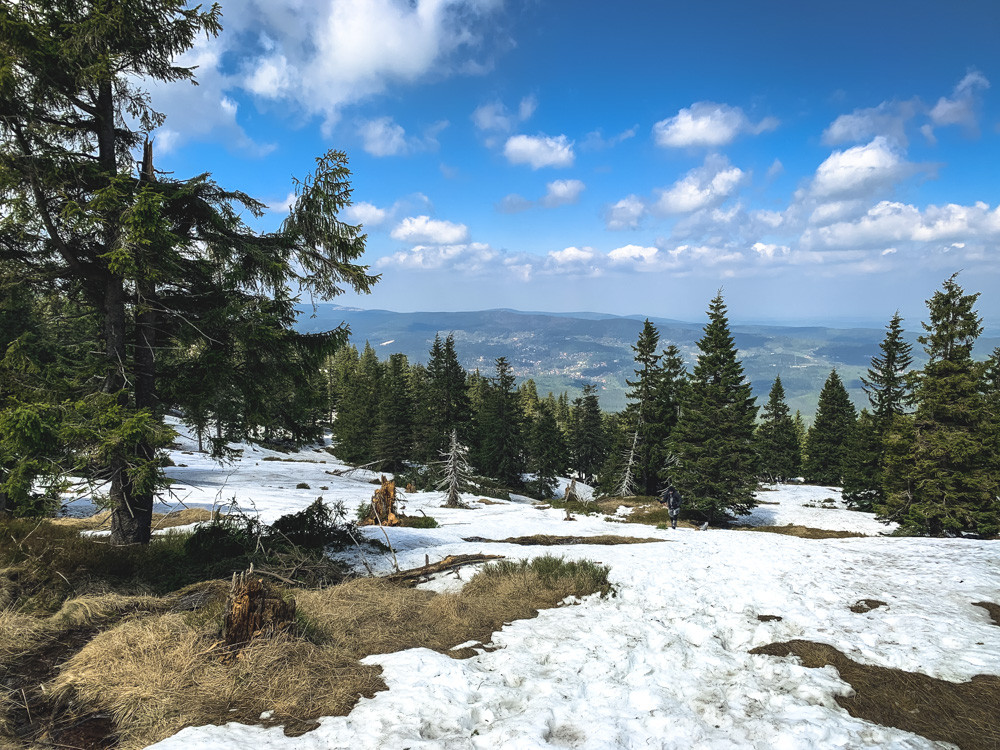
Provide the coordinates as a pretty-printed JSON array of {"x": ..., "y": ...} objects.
[
  {"x": 383, "y": 506},
  {"x": 570, "y": 494},
  {"x": 254, "y": 610}
]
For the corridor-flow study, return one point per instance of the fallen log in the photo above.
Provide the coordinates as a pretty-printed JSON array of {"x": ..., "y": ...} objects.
[{"x": 451, "y": 562}]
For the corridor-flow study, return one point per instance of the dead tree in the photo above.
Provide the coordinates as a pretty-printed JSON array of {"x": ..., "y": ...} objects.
[
  {"x": 254, "y": 609},
  {"x": 382, "y": 510}
]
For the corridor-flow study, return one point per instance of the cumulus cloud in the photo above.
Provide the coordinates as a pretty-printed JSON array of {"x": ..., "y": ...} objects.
[
  {"x": 960, "y": 107},
  {"x": 703, "y": 187},
  {"x": 707, "y": 124},
  {"x": 495, "y": 117},
  {"x": 572, "y": 255},
  {"x": 384, "y": 137},
  {"x": 770, "y": 251},
  {"x": 625, "y": 214},
  {"x": 314, "y": 58},
  {"x": 860, "y": 170},
  {"x": 471, "y": 258},
  {"x": 562, "y": 192},
  {"x": 888, "y": 120},
  {"x": 423, "y": 229},
  {"x": 540, "y": 151},
  {"x": 889, "y": 223},
  {"x": 634, "y": 254},
  {"x": 367, "y": 214}
]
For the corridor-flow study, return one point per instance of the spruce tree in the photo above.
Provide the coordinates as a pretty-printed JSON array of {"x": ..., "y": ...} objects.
[
  {"x": 457, "y": 472},
  {"x": 888, "y": 388},
  {"x": 713, "y": 438},
  {"x": 500, "y": 425},
  {"x": 863, "y": 464},
  {"x": 777, "y": 441},
  {"x": 546, "y": 451},
  {"x": 587, "y": 436},
  {"x": 641, "y": 412},
  {"x": 394, "y": 438},
  {"x": 950, "y": 477},
  {"x": 358, "y": 411},
  {"x": 449, "y": 408},
  {"x": 827, "y": 442},
  {"x": 150, "y": 256}
]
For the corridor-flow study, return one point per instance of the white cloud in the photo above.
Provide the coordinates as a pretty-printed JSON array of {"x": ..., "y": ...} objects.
[
  {"x": 472, "y": 258},
  {"x": 313, "y": 58},
  {"x": 890, "y": 223},
  {"x": 888, "y": 119},
  {"x": 571, "y": 255},
  {"x": 707, "y": 124},
  {"x": 776, "y": 168},
  {"x": 495, "y": 117},
  {"x": 960, "y": 108},
  {"x": 770, "y": 251},
  {"x": 635, "y": 254},
  {"x": 384, "y": 137},
  {"x": 423, "y": 229},
  {"x": 282, "y": 207},
  {"x": 703, "y": 187},
  {"x": 860, "y": 170},
  {"x": 562, "y": 192},
  {"x": 539, "y": 151},
  {"x": 625, "y": 214},
  {"x": 835, "y": 211},
  {"x": 367, "y": 214}
]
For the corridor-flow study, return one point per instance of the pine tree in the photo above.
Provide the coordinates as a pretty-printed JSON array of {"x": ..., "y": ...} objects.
[
  {"x": 546, "y": 451},
  {"x": 713, "y": 438},
  {"x": 828, "y": 439},
  {"x": 357, "y": 411},
  {"x": 777, "y": 441},
  {"x": 863, "y": 464},
  {"x": 449, "y": 408},
  {"x": 149, "y": 256},
  {"x": 501, "y": 448},
  {"x": 587, "y": 437},
  {"x": 888, "y": 388},
  {"x": 950, "y": 480},
  {"x": 641, "y": 412},
  {"x": 394, "y": 438}
]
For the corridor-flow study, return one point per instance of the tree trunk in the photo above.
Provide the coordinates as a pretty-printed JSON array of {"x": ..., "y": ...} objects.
[{"x": 254, "y": 609}]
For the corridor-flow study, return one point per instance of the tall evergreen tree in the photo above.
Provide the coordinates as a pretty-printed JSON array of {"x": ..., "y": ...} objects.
[
  {"x": 449, "y": 408},
  {"x": 546, "y": 451},
  {"x": 151, "y": 256},
  {"x": 641, "y": 412},
  {"x": 358, "y": 411},
  {"x": 714, "y": 437},
  {"x": 827, "y": 442},
  {"x": 951, "y": 480},
  {"x": 863, "y": 464},
  {"x": 394, "y": 438},
  {"x": 587, "y": 436},
  {"x": 777, "y": 442},
  {"x": 500, "y": 425}
]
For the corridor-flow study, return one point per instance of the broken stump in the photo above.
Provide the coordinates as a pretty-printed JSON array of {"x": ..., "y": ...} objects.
[{"x": 255, "y": 609}]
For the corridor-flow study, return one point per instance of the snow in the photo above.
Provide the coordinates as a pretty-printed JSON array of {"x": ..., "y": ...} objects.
[{"x": 664, "y": 663}]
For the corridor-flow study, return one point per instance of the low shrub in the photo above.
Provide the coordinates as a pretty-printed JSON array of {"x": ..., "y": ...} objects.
[{"x": 418, "y": 522}]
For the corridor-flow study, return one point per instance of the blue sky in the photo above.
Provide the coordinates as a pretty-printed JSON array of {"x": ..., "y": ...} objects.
[{"x": 826, "y": 163}]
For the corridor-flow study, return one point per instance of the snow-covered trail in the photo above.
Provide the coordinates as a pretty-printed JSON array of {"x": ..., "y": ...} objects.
[{"x": 665, "y": 662}]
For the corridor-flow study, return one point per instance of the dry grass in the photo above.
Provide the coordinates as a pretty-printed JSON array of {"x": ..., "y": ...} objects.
[
  {"x": 157, "y": 674},
  {"x": 803, "y": 532},
  {"x": 964, "y": 713},
  {"x": 992, "y": 609},
  {"x": 547, "y": 540},
  {"x": 102, "y": 520}
]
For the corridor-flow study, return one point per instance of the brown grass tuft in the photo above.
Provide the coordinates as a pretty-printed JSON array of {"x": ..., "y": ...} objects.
[
  {"x": 803, "y": 532},
  {"x": 964, "y": 713},
  {"x": 158, "y": 674},
  {"x": 102, "y": 520}
]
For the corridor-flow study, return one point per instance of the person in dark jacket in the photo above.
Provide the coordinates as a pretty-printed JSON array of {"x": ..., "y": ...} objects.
[{"x": 672, "y": 499}]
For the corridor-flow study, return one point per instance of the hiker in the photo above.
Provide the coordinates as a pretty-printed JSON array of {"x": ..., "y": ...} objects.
[{"x": 672, "y": 499}]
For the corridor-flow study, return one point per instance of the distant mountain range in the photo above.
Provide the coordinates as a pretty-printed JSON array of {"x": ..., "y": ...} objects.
[{"x": 563, "y": 351}]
